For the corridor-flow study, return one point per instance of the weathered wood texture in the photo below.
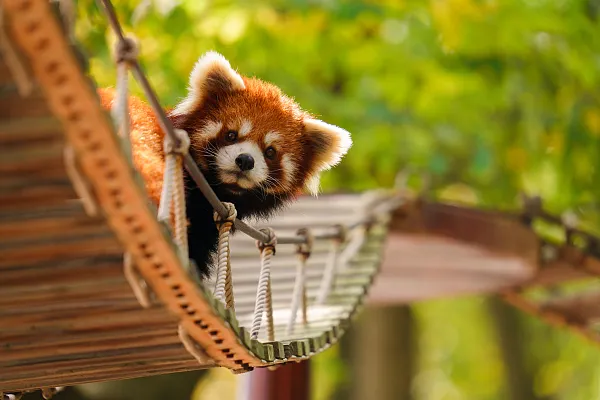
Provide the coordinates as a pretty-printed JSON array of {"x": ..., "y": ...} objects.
[
  {"x": 66, "y": 312},
  {"x": 224, "y": 338},
  {"x": 436, "y": 250},
  {"x": 67, "y": 315}
]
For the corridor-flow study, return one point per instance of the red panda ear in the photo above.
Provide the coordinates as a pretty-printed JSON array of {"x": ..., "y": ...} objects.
[
  {"x": 326, "y": 144},
  {"x": 212, "y": 75}
]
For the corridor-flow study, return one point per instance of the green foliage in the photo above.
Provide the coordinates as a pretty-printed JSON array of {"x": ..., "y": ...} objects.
[
  {"x": 500, "y": 95},
  {"x": 489, "y": 97}
]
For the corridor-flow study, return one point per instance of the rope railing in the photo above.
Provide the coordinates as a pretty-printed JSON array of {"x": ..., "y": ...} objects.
[
  {"x": 190, "y": 165},
  {"x": 263, "y": 302},
  {"x": 172, "y": 209},
  {"x": 299, "y": 294},
  {"x": 224, "y": 285},
  {"x": 331, "y": 266}
]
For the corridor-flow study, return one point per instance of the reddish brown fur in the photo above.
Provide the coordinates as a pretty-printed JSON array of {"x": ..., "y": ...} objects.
[
  {"x": 146, "y": 141},
  {"x": 218, "y": 95},
  {"x": 269, "y": 110}
]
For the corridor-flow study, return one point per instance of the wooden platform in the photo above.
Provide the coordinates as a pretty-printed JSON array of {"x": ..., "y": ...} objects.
[
  {"x": 440, "y": 250},
  {"x": 67, "y": 313},
  {"x": 68, "y": 316}
]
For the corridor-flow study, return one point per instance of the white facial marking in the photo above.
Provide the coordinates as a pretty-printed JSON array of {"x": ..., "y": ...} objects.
[
  {"x": 271, "y": 137},
  {"x": 229, "y": 172},
  {"x": 289, "y": 168},
  {"x": 245, "y": 128},
  {"x": 312, "y": 184},
  {"x": 211, "y": 129}
]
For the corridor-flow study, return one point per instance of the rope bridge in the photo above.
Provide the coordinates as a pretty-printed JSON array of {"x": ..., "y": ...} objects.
[
  {"x": 101, "y": 288},
  {"x": 172, "y": 202},
  {"x": 263, "y": 327}
]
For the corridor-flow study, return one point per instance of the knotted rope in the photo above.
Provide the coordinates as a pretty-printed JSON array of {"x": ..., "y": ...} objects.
[
  {"x": 224, "y": 285},
  {"x": 263, "y": 294},
  {"x": 125, "y": 53},
  {"x": 192, "y": 347},
  {"x": 331, "y": 265},
  {"x": 80, "y": 184},
  {"x": 140, "y": 287},
  {"x": 173, "y": 190},
  {"x": 299, "y": 295}
]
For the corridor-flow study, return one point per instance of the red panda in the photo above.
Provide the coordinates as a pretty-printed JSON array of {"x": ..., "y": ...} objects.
[{"x": 256, "y": 147}]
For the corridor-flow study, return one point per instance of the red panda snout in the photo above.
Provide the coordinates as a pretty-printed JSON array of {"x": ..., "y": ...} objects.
[
  {"x": 288, "y": 146},
  {"x": 243, "y": 157}
]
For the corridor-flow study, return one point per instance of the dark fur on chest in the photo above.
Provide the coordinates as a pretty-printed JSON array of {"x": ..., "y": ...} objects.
[{"x": 202, "y": 231}]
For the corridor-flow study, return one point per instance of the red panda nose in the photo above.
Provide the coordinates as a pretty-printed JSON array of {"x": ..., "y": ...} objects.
[{"x": 245, "y": 162}]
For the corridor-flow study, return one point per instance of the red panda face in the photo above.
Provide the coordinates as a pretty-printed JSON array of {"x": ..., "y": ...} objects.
[{"x": 251, "y": 137}]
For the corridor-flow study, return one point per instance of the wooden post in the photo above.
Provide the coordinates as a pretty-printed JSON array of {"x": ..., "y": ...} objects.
[
  {"x": 509, "y": 328},
  {"x": 288, "y": 382},
  {"x": 383, "y": 354}
]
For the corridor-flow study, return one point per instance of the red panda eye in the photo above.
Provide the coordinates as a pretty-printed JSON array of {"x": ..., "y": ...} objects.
[
  {"x": 231, "y": 136},
  {"x": 270, "y": 153}
]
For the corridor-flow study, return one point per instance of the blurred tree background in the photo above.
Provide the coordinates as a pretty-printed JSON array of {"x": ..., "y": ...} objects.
[{"x": 490, "y": 97}]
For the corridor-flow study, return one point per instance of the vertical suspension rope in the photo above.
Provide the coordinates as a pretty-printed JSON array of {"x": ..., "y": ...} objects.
[
  {"x": 49, "y": 392},
  {"x": 299, "y": 295},
  {"x": 263, "y": 293},
  {"x": 179, "y": 203},
  {"x": 120, "y": 107},
  {"x": 166, "y": 194},
  {"x": 80, "y": 184},
  {"x": 331, "y": 265},
  {"x": 140, "y": 288},
  {"x": 269, "y": 312},
  {"x": 126, "y": 51},
  {"x": 224, "y": 285},
  {"x": 173, "y": 191},
  {"x": 360, "y": 234},
  {"x": 192, "y": 347}
]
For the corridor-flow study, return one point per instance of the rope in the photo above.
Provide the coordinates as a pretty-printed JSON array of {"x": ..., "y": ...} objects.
[
  {"x": 125, "y": 52},
  {"x": 263, "y": 293},
  {"x": 360, "y": 234},
  {"x": 139, "y": 286},
  {"x": 299, "y": 294},
  {"x": 192, "y": 347},
  {"x": 17, "y": 69},
  {"x": 224, "y": 285},
  {"x": 80, "y": 185},
  {"x": 188, "y": 161},
  {"x": 48, "y": 393},
  {"x": 11, "y": 396},
  {"x": 269, "y": 312},
  {"x": 173, "y": 190},
  {"x": 120, "y": 107},
  {"x": 331, "y": 265},
  {"x": 67, "y": 11}
]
